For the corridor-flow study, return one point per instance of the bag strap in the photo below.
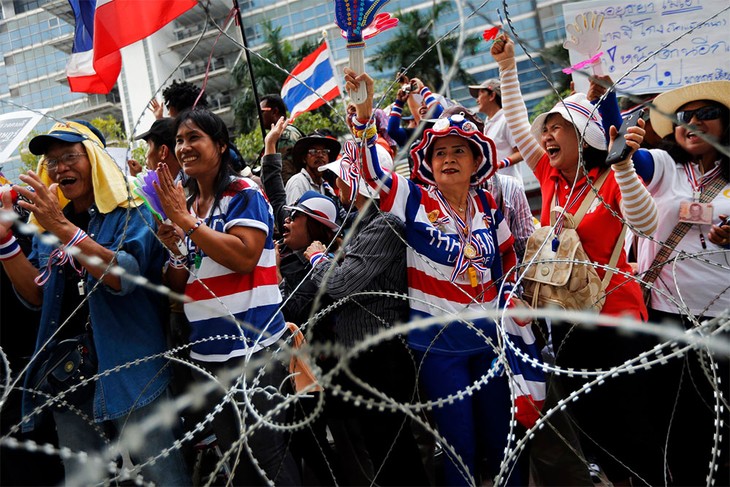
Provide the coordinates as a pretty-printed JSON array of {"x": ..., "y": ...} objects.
[
  {"x": 614, "y": 259},
  {"x": 680, "y": 230},
  {"x": 588, "y": 200}
]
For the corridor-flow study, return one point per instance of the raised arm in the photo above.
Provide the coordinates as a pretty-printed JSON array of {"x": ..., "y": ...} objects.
[
  {"x": 639, "y": 207},
  {"x": 515, "y": 111},
  {"x": 432, "y": 103},
  {"x": 367, "y": 133},
  {"x": 271, "y": 178},
  {"x": 396, "y": 132}
]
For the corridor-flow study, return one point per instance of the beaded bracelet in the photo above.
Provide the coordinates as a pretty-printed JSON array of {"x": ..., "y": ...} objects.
[
  {"x": 363, "y": 131},
  {"x": 193, "y": 228}
]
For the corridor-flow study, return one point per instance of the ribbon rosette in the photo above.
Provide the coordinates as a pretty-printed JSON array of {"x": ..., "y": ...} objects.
[
  {"x": 349, "y": 167},
  {"x": 479, "y": 261}
]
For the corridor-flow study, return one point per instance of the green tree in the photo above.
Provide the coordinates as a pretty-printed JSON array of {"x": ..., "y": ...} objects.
[
  {"x": 251, "y": 143},
  {"x": 269, "y": 78},
  {"x": 547, "y": 104},
  {"x": 557, "y": 57},
  {"x": 29, "y": 161},
  {"x": 112, "y": 130},
  {"x": 413, "y": 36}
]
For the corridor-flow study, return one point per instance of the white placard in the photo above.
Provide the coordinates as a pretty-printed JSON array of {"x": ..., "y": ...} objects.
[
  {"x": 633, "y": 30},
  {"x": 14, "y": 128},
  {"x": 120, "y": 155}
]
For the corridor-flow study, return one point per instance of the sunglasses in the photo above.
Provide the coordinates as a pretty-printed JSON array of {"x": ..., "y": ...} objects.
[
  {"x": 704, "y": 113},
  {"x": 293, "y": 214}
]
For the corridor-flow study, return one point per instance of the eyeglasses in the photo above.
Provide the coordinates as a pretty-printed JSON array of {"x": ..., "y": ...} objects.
[
  {"x": 67, "y": 159},
  {"x": 704, "y": 113},
  {"x": 314, "y": 152}
]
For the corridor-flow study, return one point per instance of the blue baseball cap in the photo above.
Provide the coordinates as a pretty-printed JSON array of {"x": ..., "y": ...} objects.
[{"x": 69, "y": 132}]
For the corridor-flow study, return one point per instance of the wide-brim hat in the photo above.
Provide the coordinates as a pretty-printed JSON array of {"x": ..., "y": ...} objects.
[
  {"x": 299, "y": 151},
  {"x": 584, "y": 116},
  {"x": 343, "y": 172},
  {"x": 70, "y": 132},
  {"x": 671, "y": 101},
  {"x": 318, "y": 206},
  {"x": 454, "y": 125}
]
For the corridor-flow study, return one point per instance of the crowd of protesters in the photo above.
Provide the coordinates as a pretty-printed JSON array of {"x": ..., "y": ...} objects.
[{"x": 335, "y": 319}]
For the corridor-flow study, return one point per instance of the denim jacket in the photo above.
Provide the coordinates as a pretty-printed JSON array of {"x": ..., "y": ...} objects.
[{"x": 127, "y": 325}]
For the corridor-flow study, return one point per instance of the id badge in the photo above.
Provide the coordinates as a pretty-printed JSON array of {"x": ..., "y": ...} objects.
[{"x": 695, "y": 212}]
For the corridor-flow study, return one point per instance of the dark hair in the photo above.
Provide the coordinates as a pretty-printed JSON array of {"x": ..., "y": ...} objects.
[
  {"x": 318, "y": 231},
  {"x": 237, "y": 160},
  {"x": 669, "y": 142},
  {"x": 593, "y": 157},
  {"x": 497, "y": 96},
  {"x": 275, "y": 101},
  {"x": 216, "y": 129},
  {"x": 181, "y": 95}
]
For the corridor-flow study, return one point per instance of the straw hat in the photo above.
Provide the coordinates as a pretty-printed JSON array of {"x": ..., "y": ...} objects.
[{"x": 671, "y": 101}]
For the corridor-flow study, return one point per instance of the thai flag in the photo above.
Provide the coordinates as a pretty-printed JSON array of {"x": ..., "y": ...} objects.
[
  {"x": 314, "y": 84},
  {"x": 103, "y": 27}
]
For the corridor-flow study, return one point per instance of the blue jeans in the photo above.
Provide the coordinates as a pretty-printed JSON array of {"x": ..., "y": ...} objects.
[
  {"x": 475, "y": 427},
  {"x": 79, "y": 435}
]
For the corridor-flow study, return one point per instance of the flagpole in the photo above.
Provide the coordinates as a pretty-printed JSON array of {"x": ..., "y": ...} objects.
[
  {"x": 250, "y": 69},
  {"x": 336, "y": 73}
]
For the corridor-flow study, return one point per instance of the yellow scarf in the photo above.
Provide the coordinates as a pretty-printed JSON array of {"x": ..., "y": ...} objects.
[{"x": 111, "y": 187}]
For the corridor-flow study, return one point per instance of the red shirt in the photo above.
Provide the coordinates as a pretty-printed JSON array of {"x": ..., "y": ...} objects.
[{"x": 599, "y": 231}]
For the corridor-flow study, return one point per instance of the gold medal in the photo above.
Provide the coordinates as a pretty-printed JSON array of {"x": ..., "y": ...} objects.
[{"x": 470, "y": 251}]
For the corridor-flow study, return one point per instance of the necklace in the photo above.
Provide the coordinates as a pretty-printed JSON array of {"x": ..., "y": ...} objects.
[{"x": 458, "y": 207}]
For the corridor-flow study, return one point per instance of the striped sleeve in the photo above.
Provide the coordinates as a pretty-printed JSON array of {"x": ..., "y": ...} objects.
[
  {"x": 638, "y": 206},
  {"x": 515, "y": 112}
]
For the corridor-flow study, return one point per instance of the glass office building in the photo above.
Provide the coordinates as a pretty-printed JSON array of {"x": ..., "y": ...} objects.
[{"x": 36, "y": 37}]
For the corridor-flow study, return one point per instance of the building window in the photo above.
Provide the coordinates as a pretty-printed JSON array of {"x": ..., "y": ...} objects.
[{"x": 28, "y": 5}]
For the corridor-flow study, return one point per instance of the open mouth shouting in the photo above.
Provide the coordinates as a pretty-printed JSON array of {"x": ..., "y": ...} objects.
[{"x": 552, "y": 150}]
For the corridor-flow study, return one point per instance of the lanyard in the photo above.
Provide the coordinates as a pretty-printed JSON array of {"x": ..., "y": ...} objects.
[
  {"x": 699, "y": 184},
  {"x": 471, "y": 258}
]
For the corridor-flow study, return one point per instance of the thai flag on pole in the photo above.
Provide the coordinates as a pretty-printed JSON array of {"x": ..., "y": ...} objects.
[
  {"x": 103, "y": 27},
  {"x": 315, "y": 83}
]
